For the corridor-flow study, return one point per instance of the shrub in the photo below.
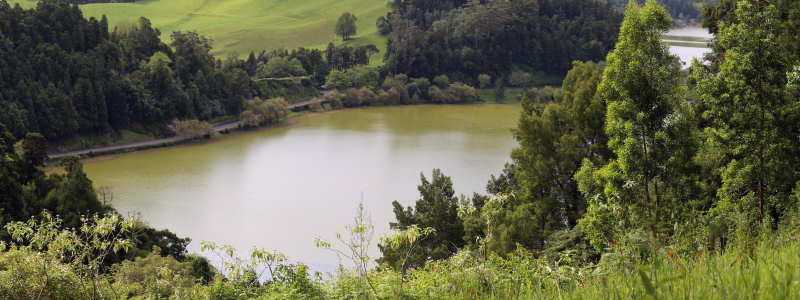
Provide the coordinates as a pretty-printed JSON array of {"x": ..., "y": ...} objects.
[
  {"x": 484, "y": 81},
  {"x": 356, "y": 77},
  {"x": 335, "y": 99},
  {"x": 438, "y": 96},
  {"x": 397, "y": 81},
  {"x": 351, "y": 98},
  {"x": 259, "y": 112},
  {"x": 418, "y": 88},
  {"x": 462, "y": 93},
  {"x": 442, "y": 81},
  {"x": 279, "y": 66},
  {"x": 316, "y": 105},
  {"x": 519, "y": 79},
  {"x": 367, "y": 96},
  {"x": 191, "y": 128}
]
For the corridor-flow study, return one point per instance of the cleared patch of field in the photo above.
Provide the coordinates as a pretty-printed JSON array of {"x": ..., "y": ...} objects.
[{"x": 241, "y": 26}]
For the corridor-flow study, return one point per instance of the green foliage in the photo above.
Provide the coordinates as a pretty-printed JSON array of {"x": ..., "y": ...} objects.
[
  {"x": 441, "y": 81},
  {"x": 155, "y": 276},
  {"x": 537, "y": 195},
  {"x": 752, "y": 121},
  {"x": 354, "y": 246},
  {"x": 462, "y": 93},
  {"x": 73, "y": 77},
  {"x": 260, "y": 112},
  {"x": 464, "y": 39},
  {"x": 77, "y": 256},
  {"x": 649, "y": 128},
  {"x": 346, "y": 26},
  {"x": 191, "y": 128},
  {"x": 281, "y": 66},
  {"x": 72, "y": 195},
  {"x": 436, "y": 214},
  {"x": 484, "y": 81},
  {"x": 359, "y": 76}
]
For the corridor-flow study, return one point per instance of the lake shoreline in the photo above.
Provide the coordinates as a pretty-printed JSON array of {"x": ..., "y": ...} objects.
[{"x": 108, "y": 155}]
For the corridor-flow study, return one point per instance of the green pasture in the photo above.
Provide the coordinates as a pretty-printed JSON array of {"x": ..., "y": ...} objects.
[{"x": 241, "y": 26}]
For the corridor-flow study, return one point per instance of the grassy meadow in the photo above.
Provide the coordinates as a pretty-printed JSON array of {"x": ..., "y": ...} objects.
[{"x": 241, "y": 26}]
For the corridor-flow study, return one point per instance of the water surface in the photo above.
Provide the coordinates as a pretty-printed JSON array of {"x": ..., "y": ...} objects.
[
  {"x": 278, "y": 188},
  {"x": 686, "y": 54}
]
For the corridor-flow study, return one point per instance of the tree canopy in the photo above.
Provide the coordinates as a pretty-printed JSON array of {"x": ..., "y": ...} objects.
[{"x": 346, "y": 26}]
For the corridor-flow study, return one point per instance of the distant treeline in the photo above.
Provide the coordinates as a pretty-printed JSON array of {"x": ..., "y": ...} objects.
[
  {"x": 683, "y": 12},
  {"x": 462, "y": 39}
]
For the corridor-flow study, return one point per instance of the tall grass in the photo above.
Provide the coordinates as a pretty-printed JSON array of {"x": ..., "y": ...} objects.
[{"x": 772, "y": 272}]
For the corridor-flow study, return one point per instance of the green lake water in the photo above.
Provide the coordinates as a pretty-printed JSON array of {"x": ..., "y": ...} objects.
[{"x": 278, "y": 188}]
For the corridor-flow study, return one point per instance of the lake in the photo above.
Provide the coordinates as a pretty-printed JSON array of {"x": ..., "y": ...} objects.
[
  {"x": 688, "y": 43},
  {"x": 277, "y": 188}
]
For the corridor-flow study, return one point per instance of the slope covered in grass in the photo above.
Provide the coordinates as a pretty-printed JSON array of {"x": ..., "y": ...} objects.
[{"x": 242, "y": 26}]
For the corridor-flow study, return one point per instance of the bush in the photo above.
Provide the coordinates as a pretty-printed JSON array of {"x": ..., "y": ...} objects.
[
  {"x": 335, "y": 99},
  {"x": 395, "y": 96},
  {"x": 382, "y": 98},
  {"x": 368, "y": 97},
  {"x": 442, "y": 81},
  {"x": 316, "y": 105},
  {"x": 418, "y": 88},
  {"x": 542, "y": 95},
  {"x": 438, "y": 96},
  {"x": 260, "y": 112},
  {"x": 519, "y": 79},
  {"x": 279, "y": 66},
  {"x": 484, "y": 81},
  {"x": 462, "y": 93},
  {"x": 351, "y": 98},
  {"x": 356, "y": 77},
  {"x": 154, "y": 275},
  {"x": 191, "y": 128},
  {"x": 397, "y": 81}
]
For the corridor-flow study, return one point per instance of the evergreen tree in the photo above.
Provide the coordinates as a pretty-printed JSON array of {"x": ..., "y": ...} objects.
[
  {"x": 542, "y": 194},
  {"x": 649, "y": 131},
  {"x": 751, "y": 118},
  {"x": 438, "y": 209}
]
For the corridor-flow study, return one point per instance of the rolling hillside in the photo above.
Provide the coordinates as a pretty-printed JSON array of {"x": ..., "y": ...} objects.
[{"x": 243, "y": 25}]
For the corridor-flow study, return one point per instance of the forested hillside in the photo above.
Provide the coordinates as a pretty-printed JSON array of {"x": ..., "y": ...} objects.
[
  {"x": 64, "y": 75},
  {"x": 463, "y": 39},
  {"x": 683, "y": 12},
  {"x": 634, "y": 180}
]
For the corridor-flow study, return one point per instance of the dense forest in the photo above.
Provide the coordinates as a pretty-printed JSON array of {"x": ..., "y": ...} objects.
[
  {"x": 683, "y": 12},
  {"x": 634, "y": 152},
  {"x": 430, "y": 38},
  {"x": 64, "y": 75},
  {"x": 635, "y": 179}
]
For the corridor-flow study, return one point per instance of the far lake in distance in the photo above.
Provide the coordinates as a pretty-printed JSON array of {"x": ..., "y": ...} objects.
[
  {"x": 277, "y": 188},
  {"x": 688, "y": 43}
]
